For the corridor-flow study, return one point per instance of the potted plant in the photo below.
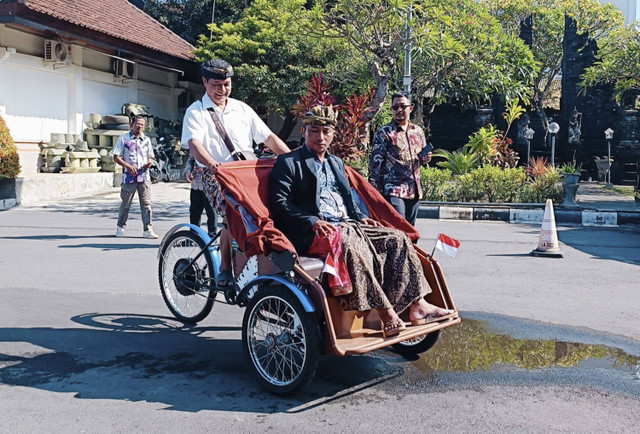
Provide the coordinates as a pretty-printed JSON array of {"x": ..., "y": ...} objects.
[{"x": 571, "y": 175}]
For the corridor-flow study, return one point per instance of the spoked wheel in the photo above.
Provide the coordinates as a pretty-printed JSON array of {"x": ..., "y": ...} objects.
[
  {"x": 418, "y": 344},
  {"x": 281, "y": 339},
  {"x": 186, "y": 284}
]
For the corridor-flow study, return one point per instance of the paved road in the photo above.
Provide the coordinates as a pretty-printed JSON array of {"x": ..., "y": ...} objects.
[{"x": 86, "y": 343}]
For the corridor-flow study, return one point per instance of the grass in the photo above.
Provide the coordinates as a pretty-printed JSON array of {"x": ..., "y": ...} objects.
[{"x": 625, "y": 190}]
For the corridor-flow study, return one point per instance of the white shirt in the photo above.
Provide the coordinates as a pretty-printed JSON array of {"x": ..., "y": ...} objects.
[
  {"x": 242, "y": 124},
  {"x": 135, "y": 151}
]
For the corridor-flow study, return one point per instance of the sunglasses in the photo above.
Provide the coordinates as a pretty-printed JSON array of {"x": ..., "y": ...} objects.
[{"x": 399, "y": 107}]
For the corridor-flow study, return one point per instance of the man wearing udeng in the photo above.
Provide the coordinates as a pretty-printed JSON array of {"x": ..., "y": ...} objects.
[{"x": 310, "y": 197}]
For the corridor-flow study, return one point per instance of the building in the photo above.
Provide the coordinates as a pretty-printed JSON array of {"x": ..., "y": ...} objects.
[
  {"x": 629, "y": 8},
  {"x": 61, "y": 60}
]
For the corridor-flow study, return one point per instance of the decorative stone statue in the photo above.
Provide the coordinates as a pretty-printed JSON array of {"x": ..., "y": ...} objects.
[
  {"x": 523, "y": 124},
  {"x": 575, "y": 125}
]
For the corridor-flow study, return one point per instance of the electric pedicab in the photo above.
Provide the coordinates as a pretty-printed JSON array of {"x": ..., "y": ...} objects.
[{"x": 290, "y": 317}]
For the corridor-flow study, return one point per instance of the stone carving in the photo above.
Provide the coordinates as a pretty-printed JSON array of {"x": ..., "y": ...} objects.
[
  {"x": 523, "y": 124},
  {"x": 575, "y": 126}
]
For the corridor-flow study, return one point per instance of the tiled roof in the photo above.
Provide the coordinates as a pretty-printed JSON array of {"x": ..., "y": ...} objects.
[{"x": 117, "y": 18}]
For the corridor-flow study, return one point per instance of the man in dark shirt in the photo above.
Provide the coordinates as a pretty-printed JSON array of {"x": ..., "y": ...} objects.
[{"x": 399, "y": 149}]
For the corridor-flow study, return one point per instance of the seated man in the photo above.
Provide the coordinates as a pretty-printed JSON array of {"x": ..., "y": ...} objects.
[{"x": 310, "y": 196}]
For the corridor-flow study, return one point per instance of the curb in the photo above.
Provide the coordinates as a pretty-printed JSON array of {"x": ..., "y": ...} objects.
[
  {"x": 6, "y": 204},
  {"x": 525, "y": 213}
]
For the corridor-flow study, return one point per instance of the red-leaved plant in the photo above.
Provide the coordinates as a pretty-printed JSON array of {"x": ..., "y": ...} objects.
[{"x": 351, "y": 136}]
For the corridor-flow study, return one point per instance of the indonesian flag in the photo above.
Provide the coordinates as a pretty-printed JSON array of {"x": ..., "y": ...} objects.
[
  {"x": 330, "y": 267},
  {"x": 447, "y": 245}
]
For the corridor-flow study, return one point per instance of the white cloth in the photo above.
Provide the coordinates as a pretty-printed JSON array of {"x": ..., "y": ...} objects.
[
  {"x": 135, "y": 151},
  {"x": 242, "y": 124}
]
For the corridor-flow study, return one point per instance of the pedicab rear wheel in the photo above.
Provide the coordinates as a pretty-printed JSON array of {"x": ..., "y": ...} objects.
[
  {"x": 186, "y": 284},
  {"x": 281, "y": 340},
  {"x": 417, "y": 345}
]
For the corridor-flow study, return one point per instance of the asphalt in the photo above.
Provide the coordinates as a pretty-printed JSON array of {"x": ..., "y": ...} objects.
[{"x": 596, "y": 206}]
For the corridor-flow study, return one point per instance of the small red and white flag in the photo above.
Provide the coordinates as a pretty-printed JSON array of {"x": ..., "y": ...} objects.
[
  {"x": 447, "y": 245},
  {"x": 330, "y": 266}
]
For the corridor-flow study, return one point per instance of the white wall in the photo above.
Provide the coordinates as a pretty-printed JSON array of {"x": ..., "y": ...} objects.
[
  {"x": 102, "y": 97},
  {"x": 628, "y": 7},
  {"x": 37, "y": 99}
]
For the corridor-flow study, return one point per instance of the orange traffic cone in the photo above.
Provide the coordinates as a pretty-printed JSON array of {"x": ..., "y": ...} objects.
[{"x": 548, "y": 241}]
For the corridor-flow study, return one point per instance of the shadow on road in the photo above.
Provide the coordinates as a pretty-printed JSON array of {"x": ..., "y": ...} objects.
[
  {"x": 166, "y": 210},
  {"x": 615, "y": 243},
  {"x": 56, "y": 237},
  {"x": 126, "y": 244},
  {"x": 157, "y": 359}
]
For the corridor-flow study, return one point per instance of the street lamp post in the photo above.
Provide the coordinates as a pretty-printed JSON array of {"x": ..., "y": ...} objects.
[
  {"x": 528, "y": 135},
  {"x": 608, "y": 134},
  {"x": 553, "y": 129},
  {"x": 407, "y": 55}
]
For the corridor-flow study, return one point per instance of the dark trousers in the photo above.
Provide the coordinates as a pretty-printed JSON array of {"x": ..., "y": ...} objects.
[
  {"x": 199, "y": 202},
  {"x": 408, "y": 208}
]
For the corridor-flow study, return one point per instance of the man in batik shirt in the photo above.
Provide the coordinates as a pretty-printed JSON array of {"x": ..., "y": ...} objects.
[{"x": 399, "y": 149}]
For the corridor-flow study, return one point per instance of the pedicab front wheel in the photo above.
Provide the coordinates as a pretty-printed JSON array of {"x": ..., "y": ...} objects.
[
  {"x": 186, "y": 283},
  {"x": 417, "y": 345},
  {"x": 281, "y": 339}
]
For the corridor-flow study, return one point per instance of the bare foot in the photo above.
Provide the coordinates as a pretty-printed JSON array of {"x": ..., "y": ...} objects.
[{"x": 422, "y": 312}]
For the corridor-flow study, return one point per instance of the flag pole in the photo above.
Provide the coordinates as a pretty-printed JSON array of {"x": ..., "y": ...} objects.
[{"x": 434, "y": 246}]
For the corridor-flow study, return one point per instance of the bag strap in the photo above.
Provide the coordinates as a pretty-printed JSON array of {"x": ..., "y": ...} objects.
[{"x": 237, "y": 155}]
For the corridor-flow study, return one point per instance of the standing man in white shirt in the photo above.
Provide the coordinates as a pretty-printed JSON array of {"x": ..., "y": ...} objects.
[
  {"x": 207, "y": 145},
  {"x": 133, "y": 151}
]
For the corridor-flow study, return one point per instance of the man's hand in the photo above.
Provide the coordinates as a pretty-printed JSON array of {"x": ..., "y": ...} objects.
[
  {"x": 188, "y": 176},
  {"x": 213, "y": 165},
  {"x": 276, "y": 144},
  {"x": 426, "y": 158},
  {"x": 132, "y": 169},
  {"x": 150, "y": 163},
  {"x": 370, "y": 222},
  {"x": 323, "y": 228}
]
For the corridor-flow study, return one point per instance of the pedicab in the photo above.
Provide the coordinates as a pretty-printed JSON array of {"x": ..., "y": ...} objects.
[{"x": 290, "y": 316}]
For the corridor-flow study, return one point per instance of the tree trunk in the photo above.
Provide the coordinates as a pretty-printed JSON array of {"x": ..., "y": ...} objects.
[
  {"x": 382, "y": 88},
  {"x": 287, "y": 127}
]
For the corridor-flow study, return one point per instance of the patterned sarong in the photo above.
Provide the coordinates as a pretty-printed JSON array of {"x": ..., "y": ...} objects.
[
  {"x": 384, "y": 268},
  {"x": 211, "y": 189}
]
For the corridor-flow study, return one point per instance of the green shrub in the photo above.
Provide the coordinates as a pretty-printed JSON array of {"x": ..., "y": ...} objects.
[
  {"x": 458, "y": 162},
  {"x": 9, "y": 159},
  {"x": 507, "y": 184},
  {"x": 465, "y": 189},
  {"x": 435, "y": 183},
  {"x": 491, "y": 184},
  {"x": 483, "y": 143},
  {"x": 542, "y": 187}
]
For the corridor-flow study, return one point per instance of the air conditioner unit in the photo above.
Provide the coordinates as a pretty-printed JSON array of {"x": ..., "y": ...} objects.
[
  {"x": 57, "y": 52},
  {"x": 124, "y": 69}
]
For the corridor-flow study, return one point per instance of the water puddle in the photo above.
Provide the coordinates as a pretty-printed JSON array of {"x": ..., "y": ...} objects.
[{"x": 471, "y": 347}]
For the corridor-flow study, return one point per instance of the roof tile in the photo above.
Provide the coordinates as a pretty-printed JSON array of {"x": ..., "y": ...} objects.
[{"x": 117, "y": 18}]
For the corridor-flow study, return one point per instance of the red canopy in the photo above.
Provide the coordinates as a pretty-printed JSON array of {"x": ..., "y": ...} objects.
[{"x": 248, "y": 183}]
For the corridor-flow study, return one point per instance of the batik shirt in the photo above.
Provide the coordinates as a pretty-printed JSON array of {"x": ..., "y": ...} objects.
[
  {"x": 394, "y": 168},
  {"x": 331, "y": 205},
  {"x": 136, "y": 151}
]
